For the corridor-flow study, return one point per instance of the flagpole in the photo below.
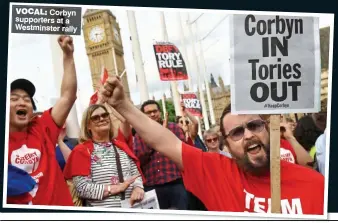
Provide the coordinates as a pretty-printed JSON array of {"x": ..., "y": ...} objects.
[
  {"x": 139, "y": 68},
  {"x": 73, "y": 128},
  {"x": 202, "y": 99},
  {"x": 207, "y": 86},
  {"x": 172, "y": 83},
  {"x": 163, "y": 104},
  {"x": 184, "y": 49}
]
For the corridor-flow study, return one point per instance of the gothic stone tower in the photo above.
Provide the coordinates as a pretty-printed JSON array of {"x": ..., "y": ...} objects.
[{"x": 104, "y": 45}]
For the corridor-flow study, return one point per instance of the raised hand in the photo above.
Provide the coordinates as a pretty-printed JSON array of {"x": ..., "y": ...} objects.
[
  {"x": 286, "y": 130},
  {"x": 66, "y": 44},
  {"x": 112, "y": 92}
]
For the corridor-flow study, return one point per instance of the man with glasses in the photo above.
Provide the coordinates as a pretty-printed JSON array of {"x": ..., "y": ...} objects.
[
  {"x": 161, "y": 173},
  {"x": 240, "y": 184}
]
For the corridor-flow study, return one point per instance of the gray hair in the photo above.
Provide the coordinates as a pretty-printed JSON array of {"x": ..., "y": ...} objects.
[{"x": 208, "y": 132}]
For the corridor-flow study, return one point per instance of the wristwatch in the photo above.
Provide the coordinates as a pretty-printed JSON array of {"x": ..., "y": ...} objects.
[{"x": 109, "y": 191}]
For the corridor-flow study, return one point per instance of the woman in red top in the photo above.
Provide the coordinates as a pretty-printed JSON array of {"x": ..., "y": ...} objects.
[{"x": 103, "y": 168}]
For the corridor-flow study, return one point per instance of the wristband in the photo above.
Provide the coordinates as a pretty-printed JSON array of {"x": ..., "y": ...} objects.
[{"x": 109, "y": 191}]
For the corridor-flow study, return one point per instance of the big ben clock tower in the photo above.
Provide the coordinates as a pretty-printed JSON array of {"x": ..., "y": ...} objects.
[{"x": 104, "y": 45}]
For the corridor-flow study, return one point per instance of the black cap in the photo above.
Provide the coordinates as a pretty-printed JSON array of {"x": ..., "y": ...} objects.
[{"x": 25, "y": 85}]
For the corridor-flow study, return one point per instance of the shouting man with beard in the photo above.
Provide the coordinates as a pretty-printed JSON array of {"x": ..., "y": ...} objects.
[{"x": 240, "y": 184}]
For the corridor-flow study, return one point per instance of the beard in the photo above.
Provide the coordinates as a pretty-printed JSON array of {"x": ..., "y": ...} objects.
[{"x": 261, "y": 163}]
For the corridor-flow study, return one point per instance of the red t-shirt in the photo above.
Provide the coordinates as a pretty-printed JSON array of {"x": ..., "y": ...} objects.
[
  {"x": 34, "y": 152},
  {"x": 287, "y": 153},
  {"x": 222, "y": 186}
]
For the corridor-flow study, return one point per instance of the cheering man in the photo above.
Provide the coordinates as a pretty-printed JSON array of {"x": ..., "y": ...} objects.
[
  {"x": 32, "y": 141},
  {"x": 240, "y": 184}
]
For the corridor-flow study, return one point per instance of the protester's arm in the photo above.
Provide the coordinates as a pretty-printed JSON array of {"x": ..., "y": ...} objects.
[
  {"x": 65, "y": 150},
  {"x": 67, "y": 98},
  {"x": 303, "y": 157},
  {"x": 88, "y": 190},
  {"x": 138, "y": 190},
  {"x": 194, "y": 125},
  {"x": 154, "y": 134}
]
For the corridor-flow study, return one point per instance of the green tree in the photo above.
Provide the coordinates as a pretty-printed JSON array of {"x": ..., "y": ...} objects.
[{"x": 170, "y": 109}]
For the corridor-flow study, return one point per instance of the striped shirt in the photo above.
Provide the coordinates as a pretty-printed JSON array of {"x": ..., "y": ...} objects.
[{"x": 104, "y": 172}]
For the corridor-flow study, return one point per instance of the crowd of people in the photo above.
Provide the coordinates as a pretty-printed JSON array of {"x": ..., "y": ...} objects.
[{"x": 227, "y": 169}]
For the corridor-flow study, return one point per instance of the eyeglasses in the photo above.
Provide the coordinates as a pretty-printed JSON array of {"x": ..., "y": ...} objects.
[
  {"x": 186, "y": 122},
  {"x": 212, "y": 140},
  {"x": 96, "y": 118},
  {"x": 152, "y": 111},
  {"x": 254, "y": 126}
]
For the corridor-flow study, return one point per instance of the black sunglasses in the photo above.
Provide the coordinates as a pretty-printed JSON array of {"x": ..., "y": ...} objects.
[
  {"x": 186, "y": 122},
  {"x": 96, "y": 118},
  {"x": 254, "y": 126}
]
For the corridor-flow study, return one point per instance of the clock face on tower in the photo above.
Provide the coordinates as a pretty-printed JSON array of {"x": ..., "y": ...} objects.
[
  {"x": 96, "y": 34},
  {"x": 116, "y": 34}
]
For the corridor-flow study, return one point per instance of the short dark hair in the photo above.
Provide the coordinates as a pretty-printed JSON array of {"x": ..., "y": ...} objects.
[
  {"x": 150, "y": 102},
  {"x": 226, "y": 110},
  {"x": 178, "y": 119}
]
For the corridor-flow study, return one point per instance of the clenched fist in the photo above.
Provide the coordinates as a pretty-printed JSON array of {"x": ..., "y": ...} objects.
[
  {"x": 112, "y": 92},
  {"x": 66, "y": 44}
]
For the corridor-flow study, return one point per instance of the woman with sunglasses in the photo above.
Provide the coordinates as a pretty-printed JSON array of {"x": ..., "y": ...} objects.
[
  {"x": 103, "y": 168},
  {"x": 211, "y": 139}
]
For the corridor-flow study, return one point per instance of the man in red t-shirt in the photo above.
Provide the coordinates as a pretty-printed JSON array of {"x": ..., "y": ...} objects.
[
  {"x": 240, "y": 184},
  {"x": 32, "y": 140}
]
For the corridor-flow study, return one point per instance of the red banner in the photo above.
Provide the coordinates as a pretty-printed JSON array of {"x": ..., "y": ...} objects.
[
  {"x": 192, "y": 103},
  {"x": 104, "y": 76},
  {"x": 170, "y": 62}
]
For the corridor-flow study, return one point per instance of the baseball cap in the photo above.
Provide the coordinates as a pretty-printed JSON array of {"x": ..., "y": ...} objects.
[{"x": 25, "y": 85}]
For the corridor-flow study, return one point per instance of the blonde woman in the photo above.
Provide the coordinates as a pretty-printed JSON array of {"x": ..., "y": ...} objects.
[{"x": 103, "y": 168}]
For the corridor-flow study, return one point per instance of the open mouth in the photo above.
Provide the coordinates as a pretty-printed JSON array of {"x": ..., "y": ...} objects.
[
  {"x": 21, "y": 113},
  {"x": 254, "y": 149}
]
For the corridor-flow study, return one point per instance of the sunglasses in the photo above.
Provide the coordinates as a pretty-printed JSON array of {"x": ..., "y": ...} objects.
[
  {"x": 212, "y": 140},
  {"x": 96, "y": 118},
  {"x": 254, "y": 126},
  {"x": 186, "y": 122}
]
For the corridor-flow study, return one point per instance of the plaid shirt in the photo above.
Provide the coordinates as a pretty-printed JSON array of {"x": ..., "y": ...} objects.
[{"x": 157, "y": 168}]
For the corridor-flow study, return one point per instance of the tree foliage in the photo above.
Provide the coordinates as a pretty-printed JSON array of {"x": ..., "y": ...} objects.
[{"x": 170, "y": 109}]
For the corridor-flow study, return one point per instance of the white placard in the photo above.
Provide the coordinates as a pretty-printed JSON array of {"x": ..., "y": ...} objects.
[
  {"x": 149, "y": 201},
  {"x": 275, "y": 64}
]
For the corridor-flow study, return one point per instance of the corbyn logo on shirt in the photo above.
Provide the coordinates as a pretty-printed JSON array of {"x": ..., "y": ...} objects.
[
  {"x": 26, "y": 158},
  {"x": 287, "y": 155}
]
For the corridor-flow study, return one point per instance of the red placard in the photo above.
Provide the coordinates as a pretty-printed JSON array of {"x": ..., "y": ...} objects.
[
  {"x": 170, "y": 62},
  {"x": 192, "y": 103}
]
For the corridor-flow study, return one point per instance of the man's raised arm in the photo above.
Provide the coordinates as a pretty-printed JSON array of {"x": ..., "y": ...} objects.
[
  {"x": 153, "y": 134},
  {"x": 67, "y": 98}
]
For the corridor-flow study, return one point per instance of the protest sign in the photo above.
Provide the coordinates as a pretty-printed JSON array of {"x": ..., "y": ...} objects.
[
  {"x": 149, "y": 201},
  {"x": 275, "y": 64},
  {"x": 170, "y": 62},
  {"x": 192, "y": 103}
]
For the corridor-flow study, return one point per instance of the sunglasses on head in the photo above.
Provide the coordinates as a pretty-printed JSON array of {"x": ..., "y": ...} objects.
[
  {"x": 212, "y": 140},
  {"x": 186, "y": 122},
  {"x": 254, "y": 126},
  {"x": 96, "y": 118}
]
